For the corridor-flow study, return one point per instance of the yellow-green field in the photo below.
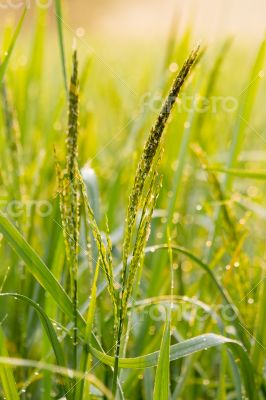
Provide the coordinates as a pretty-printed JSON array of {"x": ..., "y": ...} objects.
[{"x": 132, "y": 222}]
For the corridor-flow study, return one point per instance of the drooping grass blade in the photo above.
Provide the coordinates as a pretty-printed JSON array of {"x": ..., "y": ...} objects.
[
  {"x": 55, "y": 369},
  {"x": 186, "y": 348},
  {"x": 47, "y": 325}
]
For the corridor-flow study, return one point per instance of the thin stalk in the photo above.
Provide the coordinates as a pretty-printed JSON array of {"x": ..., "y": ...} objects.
[
  {"x": 143, "y": 172},
  {"x": 69, "y": 200}
]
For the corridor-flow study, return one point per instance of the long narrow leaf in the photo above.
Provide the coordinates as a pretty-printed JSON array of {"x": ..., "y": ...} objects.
[
  {"x": 186, "y": 348},
  {"x": 59, "y": 19},
  {"x": 161, "y": 388},
  {"x": 39, "y": 270},
  {"x": 35, "y": 264},
  {"x": 4, "y": 64},
  {"x": 20, "y": 362},
  {"x": 6, "y": 374},
  {"x": 47, "y": 325}
]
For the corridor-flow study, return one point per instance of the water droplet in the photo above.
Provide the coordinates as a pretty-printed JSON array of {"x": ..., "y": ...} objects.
[
  {"x": 80, "y": 32},
  {"x": 173, "y": 67},
  {"x": 252, "y": 191},
  {"x": 71, "y": 374}
]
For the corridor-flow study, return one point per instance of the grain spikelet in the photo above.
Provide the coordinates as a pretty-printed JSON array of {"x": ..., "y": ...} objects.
[{"x": 149, "y": 153}]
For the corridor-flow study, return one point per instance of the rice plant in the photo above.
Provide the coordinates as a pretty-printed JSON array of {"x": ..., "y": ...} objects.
[{"x": 132, "y": 263}]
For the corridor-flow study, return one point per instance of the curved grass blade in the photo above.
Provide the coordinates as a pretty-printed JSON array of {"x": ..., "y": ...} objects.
[
  {"x": 20, "y": 362},
  {"x": 172, "y": 301},
  {"x": 177, "y": 351},
  {"x": 186, "y": 348},
  {"x": 6, "y": 374},
  {"x": 161, "y": 388},
  {"x": 39, "y": 270},
  {"x": 225, "y": 296},
  {"x": 35, "y": 264},
  {"x": 3, "y": 66},
  {"x": 46, "y": 323},
  {"x": 48, "y": 327}
]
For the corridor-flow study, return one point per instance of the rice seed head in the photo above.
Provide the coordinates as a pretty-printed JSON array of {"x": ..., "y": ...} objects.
[
  {"x": 69, "y": 193},
  {"x": 142, "y": 237},
  {"x": 73, "y": 123},
  {"x": 150, "y": 150},
  {"x": 105, "y": 258},
  {"x": 72, "y": 153}
]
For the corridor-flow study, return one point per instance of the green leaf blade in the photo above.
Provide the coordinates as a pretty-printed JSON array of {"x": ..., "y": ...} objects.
[
  {"x": 3, "y": 66},
  {"x": 161, "y": 388},
  {"x": 6, "y": 374}
]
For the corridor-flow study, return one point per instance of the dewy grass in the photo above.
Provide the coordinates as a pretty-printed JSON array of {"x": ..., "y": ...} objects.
[
  {"x": 144, "y": 168},
  {"x": 230, "y": 223},
  {"x": 79, "y": 351}
]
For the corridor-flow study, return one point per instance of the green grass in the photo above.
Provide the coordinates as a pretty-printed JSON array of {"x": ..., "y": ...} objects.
[{"x": 132, "y": 246}]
